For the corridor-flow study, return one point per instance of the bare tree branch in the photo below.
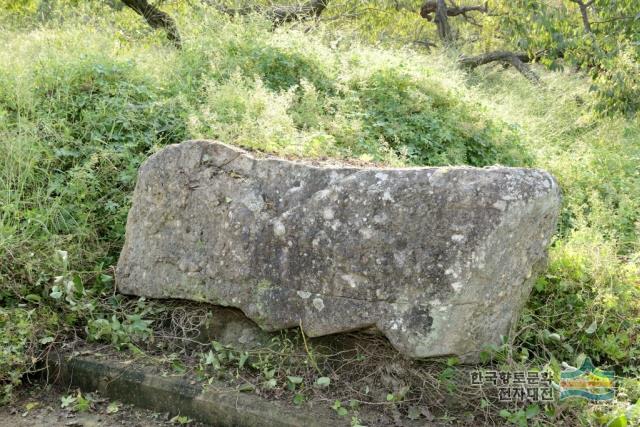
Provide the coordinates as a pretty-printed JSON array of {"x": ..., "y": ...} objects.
[
  {"x": 441, "y": 12},
  {"x": 430, "y": 7},
  {"x": 425, "y": 43},
  {"x": 498, "y": 55},
  {"x": 156, "y": 19},
  {"x": 518, "y": 60},
  {"x": 617, "y": 18}
]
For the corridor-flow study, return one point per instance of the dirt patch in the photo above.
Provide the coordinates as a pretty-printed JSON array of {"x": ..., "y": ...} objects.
[{"x": 40, "y": 405}]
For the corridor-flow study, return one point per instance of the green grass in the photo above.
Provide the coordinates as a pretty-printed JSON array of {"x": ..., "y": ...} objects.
[
  {"x": 85, "y": 101},
  {"x": 594, "y": 273}
]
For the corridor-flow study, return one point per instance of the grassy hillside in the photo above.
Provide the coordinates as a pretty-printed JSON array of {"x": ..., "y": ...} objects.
[{"x": 86, "y": 97}]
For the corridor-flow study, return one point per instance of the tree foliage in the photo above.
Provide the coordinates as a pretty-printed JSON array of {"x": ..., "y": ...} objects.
[{"x": 597, "y": 37}]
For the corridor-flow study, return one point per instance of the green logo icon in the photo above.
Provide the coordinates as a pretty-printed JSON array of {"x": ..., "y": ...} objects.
[{"x": 587, "y": 382}]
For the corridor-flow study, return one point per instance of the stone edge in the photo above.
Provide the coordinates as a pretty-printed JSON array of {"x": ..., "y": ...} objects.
[
  {"x": 331, "y": 163},
  {"x": 218, "y": 405}
]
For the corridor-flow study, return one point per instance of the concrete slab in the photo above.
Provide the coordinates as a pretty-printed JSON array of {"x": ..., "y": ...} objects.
[{"x": 217, "y": 405}]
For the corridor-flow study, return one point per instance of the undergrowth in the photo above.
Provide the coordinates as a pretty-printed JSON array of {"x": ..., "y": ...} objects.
[{"x": 85, "y": 99}]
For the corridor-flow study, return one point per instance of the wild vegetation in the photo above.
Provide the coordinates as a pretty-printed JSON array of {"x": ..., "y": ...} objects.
[{"x": 88, "y": 91}]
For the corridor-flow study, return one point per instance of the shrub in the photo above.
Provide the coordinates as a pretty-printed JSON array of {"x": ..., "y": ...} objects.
[
  {"x": 617, "y": 85},
  {"x": 430, "y": 125}
]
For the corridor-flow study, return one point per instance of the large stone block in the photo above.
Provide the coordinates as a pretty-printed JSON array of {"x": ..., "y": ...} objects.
[{"x": 440, "y": 260}]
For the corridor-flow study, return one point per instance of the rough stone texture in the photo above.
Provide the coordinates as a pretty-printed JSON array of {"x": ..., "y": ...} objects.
[{"x": 440, "y": 260}]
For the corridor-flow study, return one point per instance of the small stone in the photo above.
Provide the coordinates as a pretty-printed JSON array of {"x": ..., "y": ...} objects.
[
  {"x": 304, "y": 294},
  {"x": 500, "y": 205},
  {"x": 279, "y": 229},
  {"x": 318, "y": 304},
  {"x": 327, "y": 213}
]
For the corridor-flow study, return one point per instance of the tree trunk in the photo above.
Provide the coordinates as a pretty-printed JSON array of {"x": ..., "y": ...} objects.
[
  {"x": 584, "y": 13},
  {"x": 442, "y": 22},
  {"x": 156, "y": 19},
  {"x": 585, "y": 18},
  {"x": 430, "y": 6}
]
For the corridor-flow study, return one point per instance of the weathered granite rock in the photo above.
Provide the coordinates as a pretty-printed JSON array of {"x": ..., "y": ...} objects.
[{"x": 440, "y": 260}]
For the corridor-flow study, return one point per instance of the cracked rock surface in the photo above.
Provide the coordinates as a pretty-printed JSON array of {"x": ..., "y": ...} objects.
[{"x": 440, "y": 260}]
